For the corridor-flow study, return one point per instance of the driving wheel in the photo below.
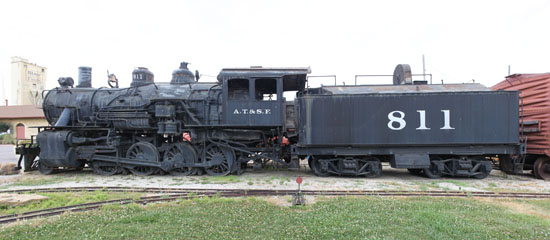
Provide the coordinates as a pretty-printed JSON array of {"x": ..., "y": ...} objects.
[
  {"x": 180, "y": 153},
  {"x": 146, "y": 152},
  {"x": 220, "y": 160}
]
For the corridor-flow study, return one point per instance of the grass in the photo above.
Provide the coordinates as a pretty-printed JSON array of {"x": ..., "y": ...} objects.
[
  {"x": 284, "y": 179},
  {"x": 350, "y": 218},
  {"x": 38, "y": 180},
  {"x": 543, "y": 205},
  {"x": 220, "y": 179},
  {"x": 424, "y": 188},
  {"x": 455, "y": 182},
  {"x": 65, "y": 199}
]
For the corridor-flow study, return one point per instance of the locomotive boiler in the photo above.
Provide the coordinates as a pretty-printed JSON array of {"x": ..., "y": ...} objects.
[{"x": 185, "y": 127}]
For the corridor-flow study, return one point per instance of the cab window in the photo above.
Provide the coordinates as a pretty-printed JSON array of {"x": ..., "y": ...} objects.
[
  {"x": 237, "y": 89},
  {"x": 266, "y": 89}
]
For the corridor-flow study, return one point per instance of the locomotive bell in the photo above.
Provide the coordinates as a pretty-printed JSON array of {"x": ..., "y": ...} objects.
[
  {"x": 142, "y": 76},
  {"x": 182, "y": 75}
]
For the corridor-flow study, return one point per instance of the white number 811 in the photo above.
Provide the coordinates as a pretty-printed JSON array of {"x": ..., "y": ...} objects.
[{"x": 400, "y": 120}]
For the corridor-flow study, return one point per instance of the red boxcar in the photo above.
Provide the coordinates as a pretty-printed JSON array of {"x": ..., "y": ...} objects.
[{"x": 534, "y": 122}]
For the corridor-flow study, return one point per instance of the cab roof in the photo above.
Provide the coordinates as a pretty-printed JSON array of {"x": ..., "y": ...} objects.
[{"x": 293, "y": 78}]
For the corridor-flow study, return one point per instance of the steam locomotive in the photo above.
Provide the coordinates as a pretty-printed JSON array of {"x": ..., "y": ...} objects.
[{"x": 188, "y": 127}]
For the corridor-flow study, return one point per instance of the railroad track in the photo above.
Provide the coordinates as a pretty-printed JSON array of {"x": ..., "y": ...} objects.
[
  {"x": 272, "y": 192},
  {"x": 173, "y": 194}
]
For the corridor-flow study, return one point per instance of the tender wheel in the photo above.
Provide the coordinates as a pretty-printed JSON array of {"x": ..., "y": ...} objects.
[
  {"x": 542, "y": 168},
  {"x": 221, "y": 160},
  {"x": 180, "y": 153},
  {"x": 375, "y": 170},
  {"x": 370, "y": 167},
  {"x": 484, "y": 171},
  {"x": 432, "y": 171},
  {"x": 105, "y": 169},
  {"x": 143, "y": 151},
  {"x": 415, "y": 171},
  {"x": 317, "y": 169},
  {"x": 45, "y": 169}
]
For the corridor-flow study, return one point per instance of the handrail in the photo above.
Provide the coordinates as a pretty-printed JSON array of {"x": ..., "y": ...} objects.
[
  {"x": 24, "y": 140},
  {"x": 364, "y": 75},
  {"x": 317, "y": 76},
  {"x": 384, "y": 75}
]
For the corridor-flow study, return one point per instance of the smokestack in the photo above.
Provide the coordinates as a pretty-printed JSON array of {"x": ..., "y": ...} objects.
[{"x": 84, "y": 77}]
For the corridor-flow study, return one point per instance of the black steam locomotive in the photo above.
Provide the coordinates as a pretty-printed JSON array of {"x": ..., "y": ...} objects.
[{"x": 189, "y": 127}]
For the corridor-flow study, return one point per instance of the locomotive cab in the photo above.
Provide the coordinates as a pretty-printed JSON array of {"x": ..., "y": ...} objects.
[{"x": 254, "y": 96}]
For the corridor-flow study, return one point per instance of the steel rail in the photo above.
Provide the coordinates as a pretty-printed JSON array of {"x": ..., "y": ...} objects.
[
  {"x": 95, "y": 205},
  {"x": 267, "y": 191}
]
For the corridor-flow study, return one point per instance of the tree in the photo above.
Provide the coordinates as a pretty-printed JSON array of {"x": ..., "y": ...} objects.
[{"x": 4, "y": 127}]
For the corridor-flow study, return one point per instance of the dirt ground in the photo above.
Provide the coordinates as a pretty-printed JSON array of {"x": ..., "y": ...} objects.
[
  {"x": 391, "y": 179},
  {"x": 8, "y": 169},
  {"x": 19, "y": 199},
  {"x": 518, "y": 207}
]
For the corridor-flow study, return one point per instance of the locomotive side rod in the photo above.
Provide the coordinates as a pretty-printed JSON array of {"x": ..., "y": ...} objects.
[{"x": 136, "y": 162}]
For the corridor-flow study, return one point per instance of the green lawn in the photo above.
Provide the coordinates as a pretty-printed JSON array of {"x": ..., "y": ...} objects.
[
  {"x": 343, "y": 218},
  {"x": 65, "y": 199}
]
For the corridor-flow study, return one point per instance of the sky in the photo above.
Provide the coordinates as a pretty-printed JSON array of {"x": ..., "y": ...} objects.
[{"x": 462, "y": 41}]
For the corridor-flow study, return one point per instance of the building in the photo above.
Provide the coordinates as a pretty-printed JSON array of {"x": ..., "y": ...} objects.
[
  {"x": 22, "y": 118},
  {"x": 28, "y": 80}
]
